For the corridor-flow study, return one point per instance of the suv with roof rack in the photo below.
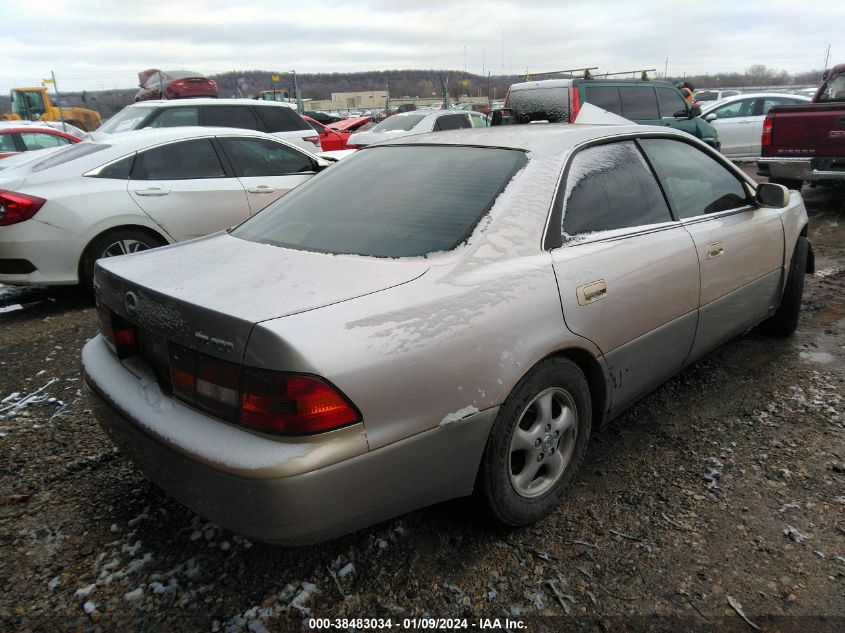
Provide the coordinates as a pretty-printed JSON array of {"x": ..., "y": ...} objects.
[{"x": 642, "y": 101}]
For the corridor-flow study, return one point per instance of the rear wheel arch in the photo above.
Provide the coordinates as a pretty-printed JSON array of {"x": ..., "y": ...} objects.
[
  {"x": 596, "y": 380},
  {"x": 85, "y": 267}
]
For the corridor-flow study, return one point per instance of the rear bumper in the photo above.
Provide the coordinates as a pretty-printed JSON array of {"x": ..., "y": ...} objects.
[
  {"x": 807, "y": 169},
  {"x": 305, "y": 499},
  {"x": 52, "y": 254}
]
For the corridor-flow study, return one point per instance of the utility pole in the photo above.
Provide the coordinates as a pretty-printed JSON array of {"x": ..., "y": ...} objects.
[
  {"x": 58, "y": 103},
  {"x": 298, "y": 96},
  {"x": 489, "y": 103},
  {"x": 465, "y": 59},
  {"x": 666, "y": 69}
]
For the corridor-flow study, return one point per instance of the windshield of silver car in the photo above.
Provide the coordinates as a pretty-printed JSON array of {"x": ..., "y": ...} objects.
[{"x": 389, "y": 201}]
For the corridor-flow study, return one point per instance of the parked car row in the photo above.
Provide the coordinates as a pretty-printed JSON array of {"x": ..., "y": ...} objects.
[{"x": 124, "y": 193}]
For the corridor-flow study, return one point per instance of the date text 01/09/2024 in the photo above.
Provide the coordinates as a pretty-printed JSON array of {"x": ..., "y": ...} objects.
[{"x": 410, "y": 624}]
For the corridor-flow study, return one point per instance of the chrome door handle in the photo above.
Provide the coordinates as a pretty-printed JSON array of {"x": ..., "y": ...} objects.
[
  {"x": 591, "y": 292},
  {"x": 261, "y": 189},
  {"x": 152, "y": 191},
  {"x": 714, "y": 249}
]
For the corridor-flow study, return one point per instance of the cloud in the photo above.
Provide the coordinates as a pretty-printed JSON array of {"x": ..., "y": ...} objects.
[{"x": 94, "y": 44}]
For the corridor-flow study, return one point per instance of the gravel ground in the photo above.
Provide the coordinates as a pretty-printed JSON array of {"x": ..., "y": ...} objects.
[{"x": 720, "y": 494}]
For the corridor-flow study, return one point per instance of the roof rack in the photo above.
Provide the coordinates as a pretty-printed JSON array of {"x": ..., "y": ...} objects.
[
  {"x": 585, "y": 71},
  {"x": 643, "y": 73}
]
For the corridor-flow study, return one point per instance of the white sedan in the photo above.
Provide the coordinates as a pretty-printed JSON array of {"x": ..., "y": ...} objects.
[
  {"x": 416, "y": 122},
  {"x": 739, "y": 120},
  {"x": 135, "y": 191}
]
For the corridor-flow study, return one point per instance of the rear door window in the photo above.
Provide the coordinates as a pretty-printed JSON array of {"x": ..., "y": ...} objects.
[
  {"x": 230, "y": 116},
  {"x": 605, "y": 97},
  {"x": 611, "y": 187},
  {"x": 263, "y": 157},
  {"x": 281, "y": 119},
  {"x": 175, "y": 117},
  {"x": 639, "y": 102},
  {"x": 743, "y": 107},
  {"x": 39, "y": 140},
  {"x": 185, "y": 160},
  {"x": 671, "y": 102},
  {"x": 7, "y": 143},
  {"x": 407, "y": 202},
  {"x": 695, "y": 183},
  {"x": 452, "y": 122}
]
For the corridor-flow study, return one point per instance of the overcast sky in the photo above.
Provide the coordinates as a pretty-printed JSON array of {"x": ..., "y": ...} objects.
[{"x": 92, "y": 44}]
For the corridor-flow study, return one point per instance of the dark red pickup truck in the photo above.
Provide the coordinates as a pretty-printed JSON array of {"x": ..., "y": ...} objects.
[{"x": 806, "y": 143}]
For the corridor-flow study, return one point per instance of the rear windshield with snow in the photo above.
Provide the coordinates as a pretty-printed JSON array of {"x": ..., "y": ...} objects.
[
  {"x": 540, "y": 104},
  {"x": 391, "y": 201}
]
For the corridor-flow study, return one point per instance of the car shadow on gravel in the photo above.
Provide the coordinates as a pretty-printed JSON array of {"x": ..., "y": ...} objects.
[{"x": 22, "y": 303}]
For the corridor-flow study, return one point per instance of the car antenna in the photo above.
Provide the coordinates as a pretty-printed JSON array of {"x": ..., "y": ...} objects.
[{"x": 586, "y": 72}]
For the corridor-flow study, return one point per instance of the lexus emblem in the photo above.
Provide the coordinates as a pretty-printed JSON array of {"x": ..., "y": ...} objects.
[{"x": 131, "y": 302}]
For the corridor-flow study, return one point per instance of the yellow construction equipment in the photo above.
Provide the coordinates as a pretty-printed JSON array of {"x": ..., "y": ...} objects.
[{"x": 34, "y": 104}]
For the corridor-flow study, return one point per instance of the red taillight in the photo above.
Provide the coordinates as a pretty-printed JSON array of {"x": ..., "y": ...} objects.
[
  {"x": 574, "y": 103},
  {"x": 117, "y": 331},
  {"x": 274, "y": 401},
  {"x": 507, "y": 98},
  {"x": 766, "y": 138},
  {"x": 17, "y": 207},
  {"x": 292, "y": 403},
  {"x": 313, "y": 139}
]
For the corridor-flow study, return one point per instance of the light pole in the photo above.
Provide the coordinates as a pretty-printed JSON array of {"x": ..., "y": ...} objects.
[{"x": 298, "y": 96}]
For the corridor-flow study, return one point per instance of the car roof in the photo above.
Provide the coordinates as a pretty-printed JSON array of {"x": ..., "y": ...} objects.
[
  {"x": 751, "y": 95},
  {"x": 116, "y": 146},
  {"x": 565, "y": 83},
  {"x": 8, "y": 129},
  {"x": 174, "y": 103},
  {"x": 543, "y": 139}
]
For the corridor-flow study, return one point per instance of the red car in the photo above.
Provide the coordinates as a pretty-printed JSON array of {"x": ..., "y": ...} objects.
[
  {"x": 17, "y": 139},
  {"x": 335, "y": 135},
  {"x": 174, "y": 84}
]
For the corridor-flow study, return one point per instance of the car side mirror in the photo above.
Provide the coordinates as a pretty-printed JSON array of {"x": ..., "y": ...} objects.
[
  {"x": 711, "y": 117},
  {"x": 322, "y": 163},
  {"x": 682, "y": 114},
  {"x": 771, "y": 195}
]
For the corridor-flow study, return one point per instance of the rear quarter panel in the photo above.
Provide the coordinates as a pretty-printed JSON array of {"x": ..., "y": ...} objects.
[{"x": 410, "y": 356}]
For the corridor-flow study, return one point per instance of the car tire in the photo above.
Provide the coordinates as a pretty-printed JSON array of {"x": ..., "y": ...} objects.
[
  {"x": 789, "y": 183},
  {"x": 537, "y": 443},
  {"x": 115, "y": 242},
  {"x": 785, "y": 320}
]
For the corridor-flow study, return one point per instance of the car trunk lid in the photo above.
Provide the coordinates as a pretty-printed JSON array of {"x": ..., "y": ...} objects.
[{"x": 208, "y": 294}]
